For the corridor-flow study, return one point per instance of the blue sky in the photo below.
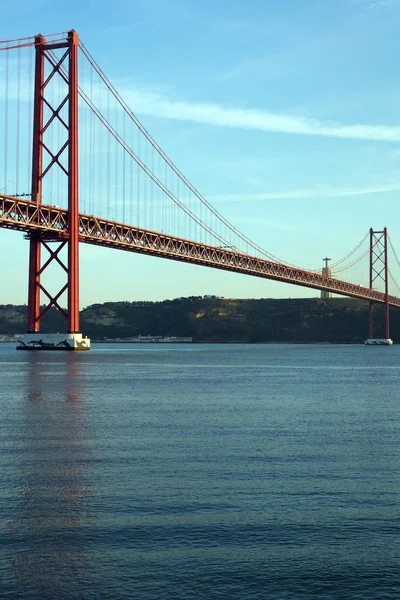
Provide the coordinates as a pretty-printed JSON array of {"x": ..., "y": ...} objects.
[{"x": 284, "y": 114}]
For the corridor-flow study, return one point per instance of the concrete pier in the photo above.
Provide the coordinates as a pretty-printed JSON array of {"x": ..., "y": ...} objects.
[{"x": 53, "y": 341}]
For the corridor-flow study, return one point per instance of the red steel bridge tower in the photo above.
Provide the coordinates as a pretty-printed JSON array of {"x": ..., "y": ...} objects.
[
  {"x": 378, "y": 270},
  {"x": 65, "y": 158}
]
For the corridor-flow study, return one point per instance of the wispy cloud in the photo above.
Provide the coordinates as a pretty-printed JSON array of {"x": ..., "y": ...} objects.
[
  {"x": 382, "y": 3},
  {"x": 300, "y": 194},
  {"x": 149, "y": 103},
  {"x": 372, "y": 4},
  {"x": 270, "y": 223}
]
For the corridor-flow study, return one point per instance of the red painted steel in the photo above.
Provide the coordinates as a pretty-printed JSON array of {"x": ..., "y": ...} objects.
[
  {"x": 52, "y": 222},
  {"x": 371, "y": 281},
  {"x": 45, "y": 51},
  {"x": 34, "y": 283},
  {"x": 73, "y": 215},
  {"x": 378, "y": 270},
  {"x": 387, "y": 328},
  {"x": 36, "y": 189}
]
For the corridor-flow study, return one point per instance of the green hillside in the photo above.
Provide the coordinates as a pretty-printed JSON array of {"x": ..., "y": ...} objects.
[{"x": 205, "y": 319}]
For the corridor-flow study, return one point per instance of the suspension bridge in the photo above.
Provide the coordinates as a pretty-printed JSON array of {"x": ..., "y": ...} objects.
[{"x": 79, "y": 167}]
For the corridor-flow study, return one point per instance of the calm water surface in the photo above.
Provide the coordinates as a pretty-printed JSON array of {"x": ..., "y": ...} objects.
[{"x": 200, "y": 472}]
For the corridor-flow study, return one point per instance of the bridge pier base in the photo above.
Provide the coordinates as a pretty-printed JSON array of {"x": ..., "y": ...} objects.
[
  {"x": 378, "y": 342},
  {"x": 54, "y": 341}
]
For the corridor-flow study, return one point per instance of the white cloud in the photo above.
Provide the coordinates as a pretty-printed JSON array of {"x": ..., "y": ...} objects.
[
  {"x": 382, "y": 3},
  {"x": 149, "y": 103},
  {"x": 319, "y": 192},
  {"x": 373, "y": 4},
  {"x": 270, "y": 223}
]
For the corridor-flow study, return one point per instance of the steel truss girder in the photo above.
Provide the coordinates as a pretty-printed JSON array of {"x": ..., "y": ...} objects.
[{"x": 24, "y": 215}]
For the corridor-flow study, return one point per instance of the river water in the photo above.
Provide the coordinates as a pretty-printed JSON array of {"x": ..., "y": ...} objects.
[{"x": 160, "y": 471}]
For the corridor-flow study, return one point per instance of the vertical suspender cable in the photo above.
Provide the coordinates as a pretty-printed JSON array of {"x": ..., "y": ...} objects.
[
  {"x": 91, "y": 149},
  {"x": 123, "y": 170},
  {"x": 108, "y": 158},
  {"x": 100, "y": 146},
  {"x": 47, "y": 189},
  {"x": 115, "y": 187},
  {"x": 6, "y": 122},
  {"x": 56, "y": 192},
  {"x": 144, "y": 186},
  {"x": 30, "y": 114},
  {"x": 178, "y": 194},
  {"x": 131, "y": 182},
  {"x": 152, "y": 199},
  {"x": 164, "y": 220},
  {"x": 18, "y": 121},
  {"x": 138, "y": 171}
]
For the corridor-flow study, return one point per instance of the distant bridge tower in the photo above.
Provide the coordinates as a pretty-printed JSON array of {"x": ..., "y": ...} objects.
[
  {"x": 326, "y": 272},
  {"x": 378, "y": 273}
]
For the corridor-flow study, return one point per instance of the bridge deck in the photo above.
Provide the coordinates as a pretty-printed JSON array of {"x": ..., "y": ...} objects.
[{"x": 51, "y": 222}]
